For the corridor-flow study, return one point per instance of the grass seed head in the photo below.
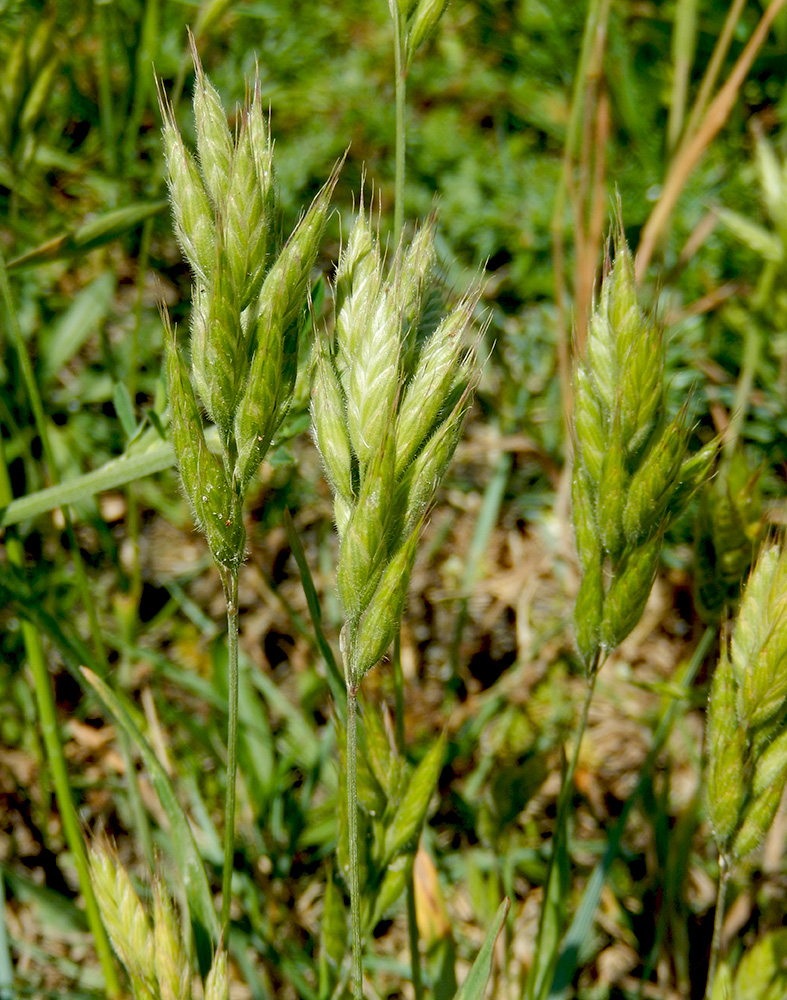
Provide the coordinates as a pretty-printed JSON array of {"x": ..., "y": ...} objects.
[
  {"x": 124, "y": 918},
  {"x": 329, "y": 422},
  {"x": 249, "y": 303},
  {"x": 217, "y": 984},
  {"x": 634, "y": 476},
  {"x": 747, "y": 726},
  {"x": 172, "y": 965},
  {"x": 390, "y": 389},
  {"x": 193, "y": 216},
  {"x": 628, "y": 593},
  {"x": 214, "y": 503}
]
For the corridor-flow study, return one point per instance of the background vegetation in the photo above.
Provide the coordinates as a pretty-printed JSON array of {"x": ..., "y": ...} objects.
[{"x": 520, "y": 138}]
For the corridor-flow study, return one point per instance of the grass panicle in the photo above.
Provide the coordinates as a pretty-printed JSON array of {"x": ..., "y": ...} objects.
[
  {"x": 633, "y": 474},
  {"x": 388, "y": 402},
  {"x": 389, "y": 397},
  {"x": 747, "y": 735},
  {"x": 249, "y": 304}
]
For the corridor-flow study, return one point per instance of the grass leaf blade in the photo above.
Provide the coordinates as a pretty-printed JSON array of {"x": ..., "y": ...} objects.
[{"x": 474, "y": 986}]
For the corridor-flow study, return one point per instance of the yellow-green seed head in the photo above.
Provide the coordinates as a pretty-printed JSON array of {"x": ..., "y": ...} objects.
[
  {"x": 217, "y": 508},
  {"x": 124, "y": 918},
  {"x": 628, "y": 593},
  {"x": 379, "y": 623},
  {"x": 398, "y": 380},
  {"x": 217, "y": 984},
  {"x": 173, "y": 974},
  {"x": 364, "y": 547},
  {"x": 434, "y": 384}
]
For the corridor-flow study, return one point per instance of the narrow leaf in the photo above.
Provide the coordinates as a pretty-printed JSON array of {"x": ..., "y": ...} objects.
[
  {"x": 78, "y": 322},
  {"x": 92, "y": 234},
  {"x": 474, "y": 986},
  {"x": 124, "y": 409}
]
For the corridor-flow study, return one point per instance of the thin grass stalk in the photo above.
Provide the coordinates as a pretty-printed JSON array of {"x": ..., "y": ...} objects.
[
  {"x": 6, "y": 968},
  {"x": 398, "y": 682},
  {"x": 544, "y": 966},
  {"x": 47, "y": 715},
  {"x": 589, "y": 205},
  {"x": 400, "y": 91},
  {"x": 352, "y": 822},
  {"x": 230, "y": 580},
  {"x": 718, "y": 924},
  {"x": 720, "y": 50},
  {"x": 135, "y": 587},
  {"x": 412, "y": 918},
  {"x": 83, "y": 587},
  {"x": 582, "y": 922},
  {"x": 694, "y": 145},
  {"x": 751, "y": 360},
  {"x": 684, "y": 38}
]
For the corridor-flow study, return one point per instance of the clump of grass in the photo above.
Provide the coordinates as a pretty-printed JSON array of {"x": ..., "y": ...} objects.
[{"x": 248, "y": 303}]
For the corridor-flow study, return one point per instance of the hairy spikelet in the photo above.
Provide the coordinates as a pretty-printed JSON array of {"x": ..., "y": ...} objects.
[
  {"x": 217, "y": 985},
  {"x": 633, "y": 475},
  {"x": 125, "y": 920},
  {"x": 729, "y": 530},
  {"x": 172, "y": 965},
  {"x": 248, "y": 304},
  {"x": 389, "y": 395},
  {"x": 747, "y": 713}
]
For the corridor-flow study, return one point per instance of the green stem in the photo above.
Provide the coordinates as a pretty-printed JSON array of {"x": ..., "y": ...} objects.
[
  {"x": 718, "y": 923},
  {"x": 412, "y": 920},
  {"x": 230, "y": 579},
  {"x": 552, "y": 919},
  {"x": 352, "y": 818},
  {"x": 400, "y": 85},
  {"x": 47, "y": 715}
]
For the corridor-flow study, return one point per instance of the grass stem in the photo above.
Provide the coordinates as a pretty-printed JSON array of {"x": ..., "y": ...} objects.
[
  {"x": 230, "y": 580},
  {"x": 718, "y": 924},
  {"x": 412, "y": 921},
  {"x": 352, "y": 818},
  {"x": 400, "y": 86},
  {"x": 552, "y": 921}
]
